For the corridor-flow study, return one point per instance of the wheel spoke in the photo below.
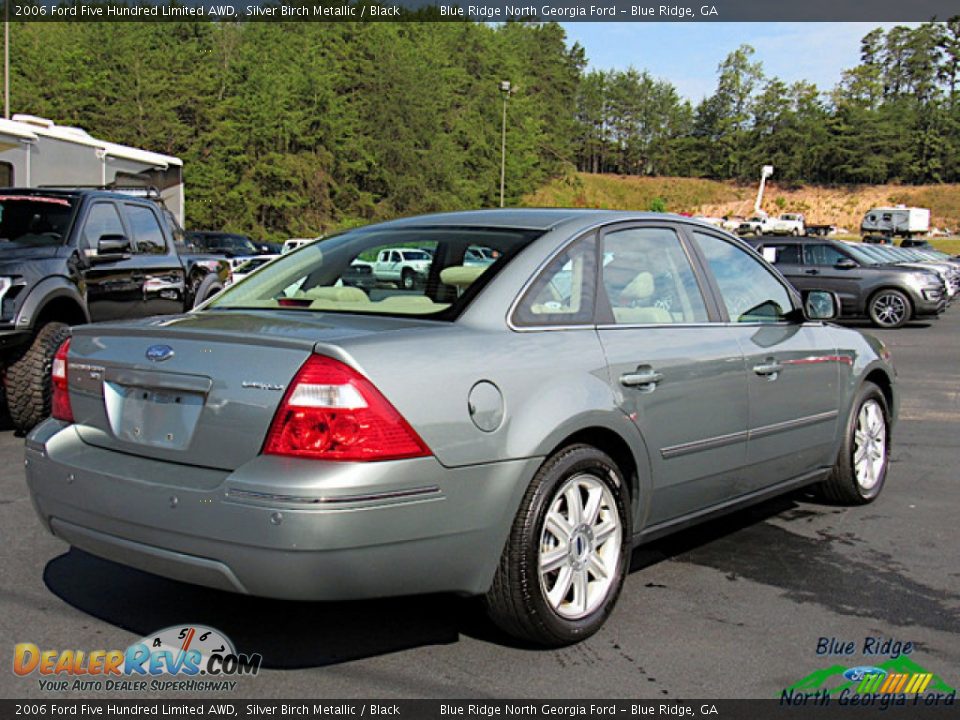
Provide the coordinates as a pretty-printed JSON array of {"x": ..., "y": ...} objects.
[
  {"x": 553, "y": 559},
  {"x": 558, "y": 526},
  {"x": 592, "y": 509},
  {"x": 574, "y": 505},
  {"x": 581, "y": 591},
  {"x": 561, "y": 587},
  {"x": 596, "y": 566},
  {"x": 604, "y": 532}
]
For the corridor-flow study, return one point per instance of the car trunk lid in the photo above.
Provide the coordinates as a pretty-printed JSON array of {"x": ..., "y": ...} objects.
[{"x": 199, "y": 389}]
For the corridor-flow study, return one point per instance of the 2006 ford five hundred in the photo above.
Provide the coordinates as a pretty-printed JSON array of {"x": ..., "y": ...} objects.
[{"x": 554, "y": 388}]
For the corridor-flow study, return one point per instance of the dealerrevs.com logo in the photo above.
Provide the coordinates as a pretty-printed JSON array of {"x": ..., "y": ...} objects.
[{"x": 183, "y": 657}]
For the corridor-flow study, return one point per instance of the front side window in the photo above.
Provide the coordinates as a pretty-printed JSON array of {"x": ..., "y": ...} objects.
[
  {"x": 147, "y": 234},
  {"x": 563, "y": 293},
  {"x": 103, "y": 219},
  {"x": 648, "y": 278},
  {"x": 822, "y": 254},
  {"x": 347, "y": 273},
  {"x": 750, "y": 292}
]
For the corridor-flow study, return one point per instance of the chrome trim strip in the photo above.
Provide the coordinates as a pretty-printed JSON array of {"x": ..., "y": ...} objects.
[
  {"x": 774, "y": 428},
  {"x": 336, "y": 499},
  {"x": 746, "y": 435},
  {"x": 707, "y": 444}
]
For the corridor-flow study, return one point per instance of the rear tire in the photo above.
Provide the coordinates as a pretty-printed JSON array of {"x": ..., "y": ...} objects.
[
  {"x": 408, "y": 279},
  {"x": 27, "y": 379},
  {"x": 861, "y": 468},
  {"x": 208, "y": 287},
  {"x": 567, "y": 555},
  {"x": 889, "y": 308}
]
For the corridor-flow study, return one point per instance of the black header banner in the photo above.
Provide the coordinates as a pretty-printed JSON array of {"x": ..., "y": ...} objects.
[
  {"x": 483, "y": 10},
  {"x": 816, "y": 708}
]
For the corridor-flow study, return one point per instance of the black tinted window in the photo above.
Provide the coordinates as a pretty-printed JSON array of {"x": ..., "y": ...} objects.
[
  {"x": 782, "y": 254},
  {"x": 103, "y": 219},
  {"x": 147, "y": 234}
]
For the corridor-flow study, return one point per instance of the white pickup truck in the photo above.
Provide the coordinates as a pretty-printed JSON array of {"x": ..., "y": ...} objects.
[
  {"x": 785, "y": 224},
  {"x": 403, "y": 266}
]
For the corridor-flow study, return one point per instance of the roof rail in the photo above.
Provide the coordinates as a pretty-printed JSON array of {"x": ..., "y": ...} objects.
[{"x": 144, "y": 191}]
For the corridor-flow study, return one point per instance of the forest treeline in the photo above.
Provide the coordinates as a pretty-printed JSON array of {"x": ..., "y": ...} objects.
[{"x": 291, "y": 129}]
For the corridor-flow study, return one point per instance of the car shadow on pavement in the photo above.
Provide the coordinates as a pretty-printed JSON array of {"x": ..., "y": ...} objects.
[
  {"x": 294, "y": 635},
  {"x": 288, "y": 634}
]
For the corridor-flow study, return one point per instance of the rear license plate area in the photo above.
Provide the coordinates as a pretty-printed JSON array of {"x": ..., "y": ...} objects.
[{"x": 150, "y": 416}]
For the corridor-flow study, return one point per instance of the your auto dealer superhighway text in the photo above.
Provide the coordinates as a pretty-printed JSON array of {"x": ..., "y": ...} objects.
[{"x": 593, "y": 11}]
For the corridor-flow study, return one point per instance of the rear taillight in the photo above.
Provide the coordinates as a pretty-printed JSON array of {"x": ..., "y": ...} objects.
[
  {"x": 60, "y": 405},
  {"x": 332, "y": 412}
]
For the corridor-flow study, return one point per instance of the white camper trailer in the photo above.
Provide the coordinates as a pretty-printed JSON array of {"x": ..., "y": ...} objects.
[
  {"x": 899, "y": 220},
  {"x": 35, "y": 152}
]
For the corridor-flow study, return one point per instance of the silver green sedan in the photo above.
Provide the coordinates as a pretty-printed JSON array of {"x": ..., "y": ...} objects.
[{"x": 510, "y": 429}]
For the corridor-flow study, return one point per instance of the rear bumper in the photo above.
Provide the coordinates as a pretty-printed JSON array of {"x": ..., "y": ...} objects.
[{"x": 280, "y": 527}]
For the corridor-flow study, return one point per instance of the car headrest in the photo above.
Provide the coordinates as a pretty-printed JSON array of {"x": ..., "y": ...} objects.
[
  {"x": 640, "y": 288},
  {"x": 461, "y": 276},
  {"x": 340, "y": 294}
]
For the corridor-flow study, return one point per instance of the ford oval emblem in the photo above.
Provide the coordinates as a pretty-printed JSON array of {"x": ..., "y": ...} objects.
[{"x": 159, "y": 353}]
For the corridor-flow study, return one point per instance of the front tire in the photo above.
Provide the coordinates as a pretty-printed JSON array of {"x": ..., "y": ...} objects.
[
  {"x": 208, "y": 287},
  {"x": 27, "y": 379},
  {"x": 567, "y": 555},
  {"x": 861, "y": 468},
  {"x": 889, "y": 309}
]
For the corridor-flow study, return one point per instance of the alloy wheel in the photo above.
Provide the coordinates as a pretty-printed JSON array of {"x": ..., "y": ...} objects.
[
  {"x": 889, "y": 309},
  {"x": 870, "y": 446},
  {"x": 580, "y": 547}
]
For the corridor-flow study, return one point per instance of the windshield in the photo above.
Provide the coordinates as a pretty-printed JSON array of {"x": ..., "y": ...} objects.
[
  {"x": 862, "y": 254},
  {"x": 373, "y": 271},
  {"x": 33, "y": 220}
]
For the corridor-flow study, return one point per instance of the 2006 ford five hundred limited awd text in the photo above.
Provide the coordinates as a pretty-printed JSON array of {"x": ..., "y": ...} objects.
[{"x": 556, "y": 387}]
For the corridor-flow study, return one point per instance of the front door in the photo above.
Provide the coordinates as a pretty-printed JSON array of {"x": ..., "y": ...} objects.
[
  {"x": 675, "y": 372},
  {"x": 793, "y": 377},
  {"x": 114, "y": 287}
]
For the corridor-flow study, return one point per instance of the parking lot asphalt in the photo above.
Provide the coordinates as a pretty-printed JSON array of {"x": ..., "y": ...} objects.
[{"x": 731, "y": 609}]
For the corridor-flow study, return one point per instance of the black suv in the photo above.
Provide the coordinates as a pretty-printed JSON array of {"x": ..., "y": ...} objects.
[
  {"x": 69, "y": 257},
  {"x": 890, "y": 296}
]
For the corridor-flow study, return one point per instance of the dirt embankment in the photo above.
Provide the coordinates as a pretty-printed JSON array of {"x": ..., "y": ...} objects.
[{"x": 843, "y": 206}]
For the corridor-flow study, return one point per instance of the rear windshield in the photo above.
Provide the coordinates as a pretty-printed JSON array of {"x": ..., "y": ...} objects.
[
  {"x": 31, "y": 220},
  {"x": 429, "y": 272}
]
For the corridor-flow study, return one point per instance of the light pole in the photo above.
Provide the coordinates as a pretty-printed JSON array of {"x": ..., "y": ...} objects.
[
  {"x": 6, "y": 59},
  {"x": 505, "y": 90}
]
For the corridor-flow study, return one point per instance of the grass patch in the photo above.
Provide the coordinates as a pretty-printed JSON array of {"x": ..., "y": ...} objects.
[{"x": 619, "y": 192}]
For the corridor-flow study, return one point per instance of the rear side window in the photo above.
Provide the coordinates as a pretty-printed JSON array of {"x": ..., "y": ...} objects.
[
  {"x": 648, "y": 278},
  {"x": 147, "y": 234},
  {"x": 750, "y": 292},
  {"x": 564, "y": 292},
  {"x": 785, "y": 254}
]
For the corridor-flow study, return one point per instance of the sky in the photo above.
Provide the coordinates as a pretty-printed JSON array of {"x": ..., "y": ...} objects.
[{"x": 687, "y": 54}]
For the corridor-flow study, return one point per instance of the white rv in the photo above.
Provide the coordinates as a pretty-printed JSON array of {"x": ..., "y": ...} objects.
[
  {"x": 899, "y": 220},
  {"x": 35, "y": 152}
]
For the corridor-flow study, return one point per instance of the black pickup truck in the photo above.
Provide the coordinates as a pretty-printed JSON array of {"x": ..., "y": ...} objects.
[{"x": 69, "y": 257}]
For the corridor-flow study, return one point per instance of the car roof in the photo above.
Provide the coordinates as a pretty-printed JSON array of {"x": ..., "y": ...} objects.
[
  {"x": 68, "y": 192},
  {"x": 543, "y": 219}
]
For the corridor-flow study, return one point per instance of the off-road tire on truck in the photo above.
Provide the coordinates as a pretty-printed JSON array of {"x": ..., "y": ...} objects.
[
  {"x": 26, "y": 380},
  {"x": 208, "y": 287}
]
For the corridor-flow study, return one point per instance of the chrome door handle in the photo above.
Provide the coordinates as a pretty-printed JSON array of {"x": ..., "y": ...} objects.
[
  {"x": 770, "y": 369},
  {"x": 645, "y": 381}
]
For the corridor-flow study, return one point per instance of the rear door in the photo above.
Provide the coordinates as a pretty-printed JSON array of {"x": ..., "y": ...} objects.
[
  {"x": 676, "y": 372},
  {"x": 115, "y": 286},
  {"x": 164, "y": 281},
  {"x": 793, "y": 370}
]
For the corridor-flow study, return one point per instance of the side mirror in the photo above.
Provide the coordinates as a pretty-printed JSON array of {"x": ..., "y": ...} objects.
[
  {"x": 846, "y": 264},
  {"x": 821, "y": 305},
  {"x": 110, "y": 248}
]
